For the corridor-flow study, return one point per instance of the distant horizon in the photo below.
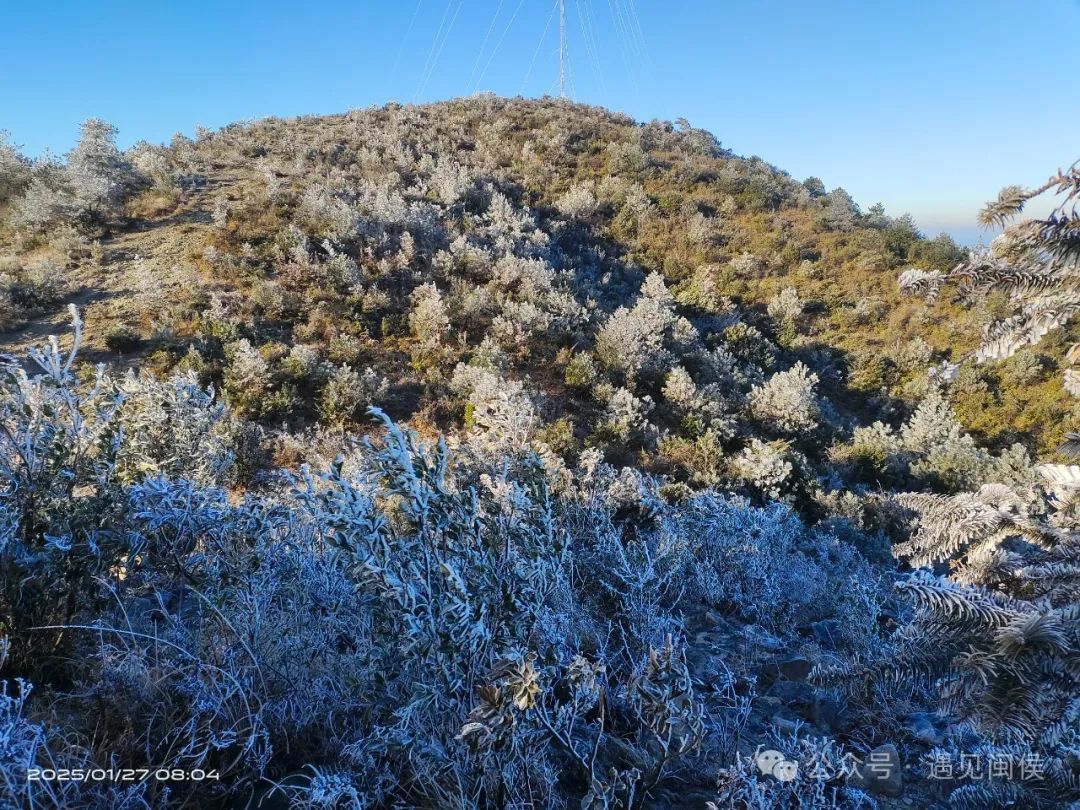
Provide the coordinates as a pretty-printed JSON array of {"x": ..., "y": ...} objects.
[{"x": 908, "y": 106}]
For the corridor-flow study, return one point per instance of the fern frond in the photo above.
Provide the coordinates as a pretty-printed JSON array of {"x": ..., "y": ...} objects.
[
  {"x": 1010, "y": 202},
  {"x": 943, "y": 597},
  {"x": 1071, "y": 445},
  {"x": 1026, "y": 632}
]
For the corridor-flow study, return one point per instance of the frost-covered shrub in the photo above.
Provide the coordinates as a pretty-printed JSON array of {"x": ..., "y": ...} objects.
[
  {"x": 914, "y": 355},
  {"x": 302, "y": 363},
  {"x": 14, "y": 170},
  {"x": 581, "y": 371},
  {"x": 996, "y": 636},
  {"x": 635, "y": 340},
  {"x": 66, "y": 452},
  {"x": 874, "y": 453},
  {"x": 450, "y": 180},
  {"x": 98, "y": 174},
  {"x": 518, "y": 324},
  {"x": 766, "y": 468},
  {"x": 747, "y": 343},
  {"x": 1023, "y": 368},
  {"x": 347, "y": 392},
  {"x": 28, "y": 744},
  {"x": 865, "y": 310},
  {"x": 450, "y": 612},
  {"x": 944, "y": 453},
  {"x": 152, "y": 162},
  {"x": 88, "y": 188},
  {"x": 785, "y": 306},
  {"x": 328, "y": 214},
  {"x": 679, "y": 387},
  {"x": 703, "y": 408},
  {"x": 763, "y": 563},
  {"x": 703, "y": 291},
  {"x": 746, "y": 264},
  {"x": 500, "y": 411},
  {"x": 813, "y": 776},
  {"x": 932, "y": 424},
  {"x": 787, "y": 401},
  {"x": 247, "y": 376},
  {"x": 31, "y": 290},
  {"x": 428, "y": 319},
  {"x": 626, "y": 417},
  {"x": 45, "y": 201},
  {"x": 579, "y": 201},
  {"x": 958, "y": 464},
  {"x": 704, "y": 230},
  {"x": 172, "y": 429}
]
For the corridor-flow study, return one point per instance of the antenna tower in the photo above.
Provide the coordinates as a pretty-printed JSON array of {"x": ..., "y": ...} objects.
[{"x": 562, "y": 48}]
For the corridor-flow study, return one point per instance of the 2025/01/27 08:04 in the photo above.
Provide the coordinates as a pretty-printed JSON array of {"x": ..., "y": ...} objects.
[{"x": 120, "y": 774}]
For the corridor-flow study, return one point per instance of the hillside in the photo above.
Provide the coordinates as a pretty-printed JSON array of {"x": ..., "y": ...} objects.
[
  {"x": 534, "y": 221},
  {"x": 507, "y": 453}
]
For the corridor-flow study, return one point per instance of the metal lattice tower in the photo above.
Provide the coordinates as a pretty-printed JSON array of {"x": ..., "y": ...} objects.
[{"x": 562, "y": 48}]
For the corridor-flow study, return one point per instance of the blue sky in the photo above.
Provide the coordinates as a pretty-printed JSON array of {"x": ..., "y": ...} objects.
[{"x": 928, "y": 107}]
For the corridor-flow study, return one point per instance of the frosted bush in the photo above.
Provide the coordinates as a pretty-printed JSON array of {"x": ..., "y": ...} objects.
[
  {"x": 173, "y": 428},
  {"x": 703, "y": 292},
  {"x": 763, "y": 563},
  {"x": 703, "y": 230},
  {"x": 428, "y": 318},
  {"x": 876, "y": 449},
  {"x": 785, "y": 306},
  {"x": 627, "y": 416},
  {"x": 500, "y": 411},
  {"x": 914, "y": 355},
  {"x": 518, "y": 324},
  {"x": 151, "y": 161},
  {"x": 302, "y": 362},
  {"x": 99, "y": 175},
  {"x": 933, "y": 424},
  {"x": 347, "y": 391},
  {"x": 247, "y": 375},
  {"x": 450, "y": 180},
  {"x": 746, "y": 264},
  {"x": 958, "y": 463},
  {"x": 42, "y": 204},
  {"x": 679, "y": 387},
  {"x": 14, "y": 170},
  {"x": 633, "y": 340},
  {"x": 326, "y": 212},
  {"x": 766, "y": 468},
  {"x": 637, "y": 205},
  {"x": 704, "y": 408},
  {"x": 578, "y": 202},
  {"x": 787, "y": 402}
]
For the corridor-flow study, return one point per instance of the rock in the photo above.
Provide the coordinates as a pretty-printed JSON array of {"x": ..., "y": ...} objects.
[
  {"x": 792, "y": 693},
  {"x": 830, "y": 714},
  {"x": 924, "y": 726},
  {"x": 758, "y": 639},
  {"x": 794, "y": 668},
  {"x": 827, "y": 632},
  {"x": 880, "y": 772}
]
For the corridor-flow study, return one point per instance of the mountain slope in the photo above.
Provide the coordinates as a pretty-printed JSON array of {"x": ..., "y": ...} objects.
[
  {"x": 676, "y": 451},
  {"x": 319, "y": 231}
]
